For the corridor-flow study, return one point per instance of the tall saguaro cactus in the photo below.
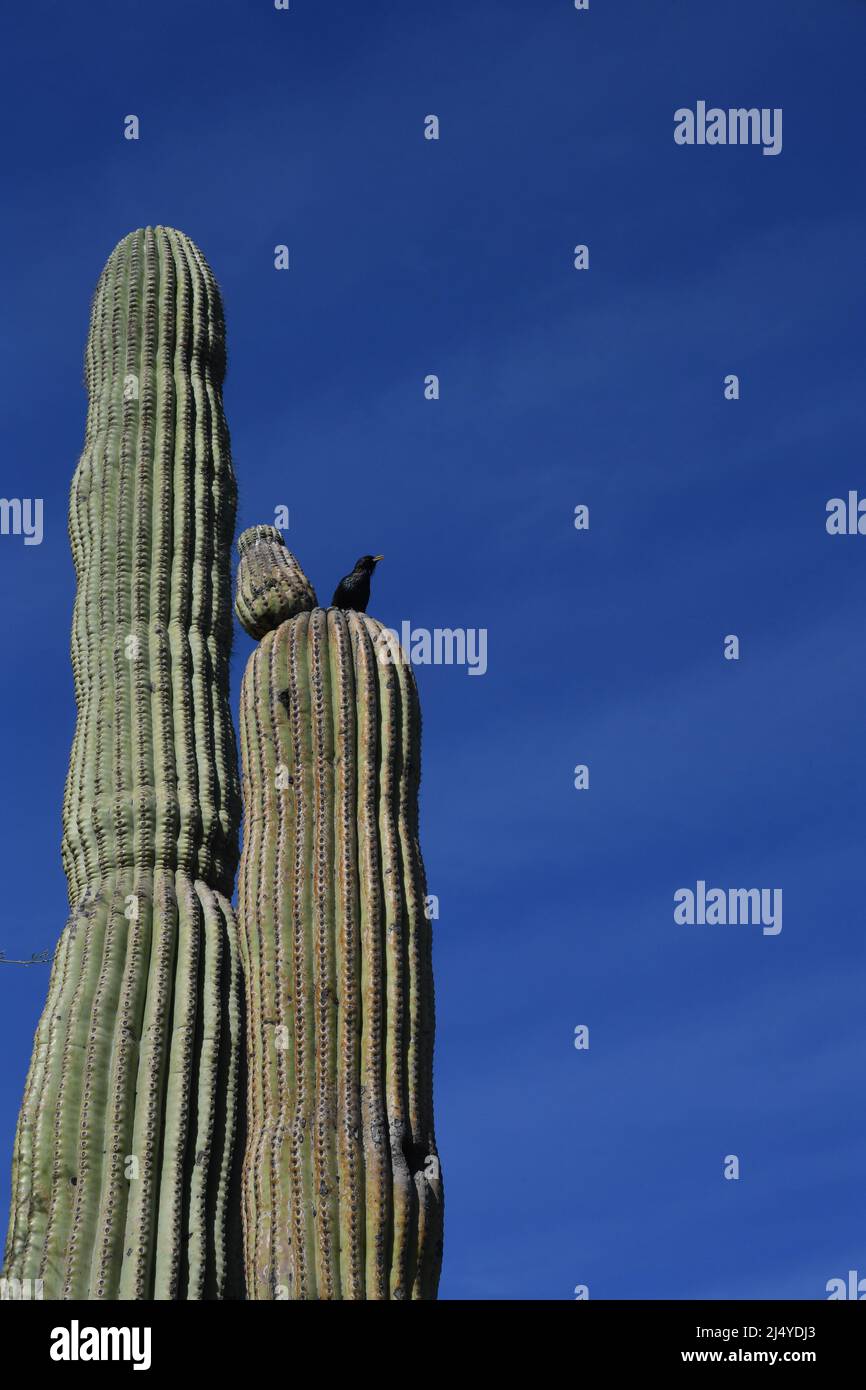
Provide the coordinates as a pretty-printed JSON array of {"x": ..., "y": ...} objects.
[
  {"x": 125, "y": 1149},
  {"x": 342, "y": 1190}
]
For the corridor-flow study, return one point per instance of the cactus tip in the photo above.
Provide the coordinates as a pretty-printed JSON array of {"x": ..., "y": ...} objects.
[{"x": 271, "y": 586}]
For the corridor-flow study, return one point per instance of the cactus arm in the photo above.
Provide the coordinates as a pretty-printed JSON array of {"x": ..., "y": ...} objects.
[{"x": 271, "y": 586}]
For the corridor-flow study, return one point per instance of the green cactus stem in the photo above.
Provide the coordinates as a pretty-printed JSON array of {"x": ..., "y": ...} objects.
[
  {"x": 271, "y": 586},
  {"x": 124, "y": 1171},
  {"x": 342, "y": 1191}
]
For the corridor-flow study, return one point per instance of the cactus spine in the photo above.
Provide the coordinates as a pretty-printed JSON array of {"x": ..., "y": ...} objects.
[
  {"x": 124, "y": 1154},
  {"x": 341, "y": 1188}
]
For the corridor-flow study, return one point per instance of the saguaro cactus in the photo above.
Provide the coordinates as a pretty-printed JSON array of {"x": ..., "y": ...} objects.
[
  {"x": 124, "y": 1155},
  {"x": 271, "y": 586},
  {"x": 342, "y": 1190}
]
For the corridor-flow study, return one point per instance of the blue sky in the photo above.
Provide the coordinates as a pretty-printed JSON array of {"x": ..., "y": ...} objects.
[{"x": 558, "y": 387}]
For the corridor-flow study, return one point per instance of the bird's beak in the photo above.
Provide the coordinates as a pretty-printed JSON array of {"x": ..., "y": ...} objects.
[{"x": 377, "y": 558}]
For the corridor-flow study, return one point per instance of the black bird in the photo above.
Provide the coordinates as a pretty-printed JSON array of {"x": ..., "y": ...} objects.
[{"x": 353, "y": 590}]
